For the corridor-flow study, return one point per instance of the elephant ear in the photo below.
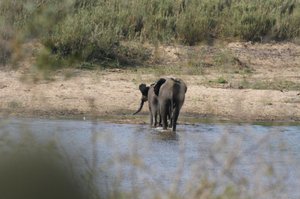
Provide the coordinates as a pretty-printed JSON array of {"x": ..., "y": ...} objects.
[
  {"x": 158, "y": 84},
  {"x": 144, "y": 89}
]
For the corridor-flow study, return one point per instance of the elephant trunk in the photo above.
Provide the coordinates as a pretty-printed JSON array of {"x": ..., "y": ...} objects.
[{"x": 141, "y": 106}]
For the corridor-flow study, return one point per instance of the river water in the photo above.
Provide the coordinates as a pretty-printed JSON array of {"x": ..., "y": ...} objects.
[{"x": 263, "y": 161}]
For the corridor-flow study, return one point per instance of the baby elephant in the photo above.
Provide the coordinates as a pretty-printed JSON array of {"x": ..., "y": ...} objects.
[{"x": 149, "y": 95}]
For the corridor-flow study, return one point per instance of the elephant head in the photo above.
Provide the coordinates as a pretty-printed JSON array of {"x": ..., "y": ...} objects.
[{"x": 171, "y": 96}]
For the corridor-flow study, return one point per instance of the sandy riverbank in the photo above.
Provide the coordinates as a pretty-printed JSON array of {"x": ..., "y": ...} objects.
[{"x": 114, "y": 93}]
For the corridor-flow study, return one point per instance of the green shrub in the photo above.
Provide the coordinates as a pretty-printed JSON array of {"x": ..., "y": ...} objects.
[
  {"x": 93, "y": 30},
  {"x": 193, "y": 29},
  {"x": 85, "y": 35},
  {"x": 94, "y": 35},
  {"x": 24, "y": 20},
  {"x": 255, "y": 20},
  {"x": 5, "y": 48},
  {"x": 287, "y": 26}
]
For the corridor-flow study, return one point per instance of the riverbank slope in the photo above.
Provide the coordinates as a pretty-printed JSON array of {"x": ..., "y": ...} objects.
[{"x": 238, "y": 81}]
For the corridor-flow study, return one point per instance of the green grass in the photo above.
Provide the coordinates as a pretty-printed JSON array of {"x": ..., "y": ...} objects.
[
  {"x": 274, "y": 85},
  {"x": 94, "y": 30}
]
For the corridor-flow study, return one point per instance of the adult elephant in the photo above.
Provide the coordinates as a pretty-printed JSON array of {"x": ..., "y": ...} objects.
[
  {"x": 149, "y": 95},
  {"x": 171, "y": 95}
]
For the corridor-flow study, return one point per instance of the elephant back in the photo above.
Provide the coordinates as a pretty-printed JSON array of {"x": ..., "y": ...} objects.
[
  {"x": 171, "y": 85},
  {"x": 179, "y": 89},
  {"x": 158, "y": 85}
]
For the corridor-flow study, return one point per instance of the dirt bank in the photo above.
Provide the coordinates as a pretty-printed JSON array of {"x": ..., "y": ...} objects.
[{"x": 113, "y": 94}]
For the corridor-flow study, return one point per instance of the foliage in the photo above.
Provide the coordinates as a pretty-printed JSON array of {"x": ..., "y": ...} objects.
[
  {"x": 32, "y": 170},
  {"x": 93, "y": 30}
]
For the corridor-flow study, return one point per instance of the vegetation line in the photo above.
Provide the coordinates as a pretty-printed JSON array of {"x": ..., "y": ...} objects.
[{"x": 95, "y": 31}]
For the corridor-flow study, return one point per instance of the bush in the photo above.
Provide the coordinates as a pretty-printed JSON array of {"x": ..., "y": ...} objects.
[
  {"x": 93, "y": 30},
  {"x": 256, "y": 20},
  {"x": 197, "y": 22},
  {"x": 84, "y": 35},
  {"x": 88, "y": 36},
  {"x": 287, "y": 26},
  {"x": 5, "y": 47},
  {"x": 24, "y": 20}
]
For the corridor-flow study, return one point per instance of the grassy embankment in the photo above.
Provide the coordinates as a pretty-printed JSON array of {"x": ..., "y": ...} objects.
[{"x": 113, "y": 33}]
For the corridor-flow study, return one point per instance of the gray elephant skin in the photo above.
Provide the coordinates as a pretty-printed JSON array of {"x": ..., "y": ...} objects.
[
  {"x": 171, "y": 96},
  {"x": 149, "y": 95},
  {"x": 165, "y": 98}
]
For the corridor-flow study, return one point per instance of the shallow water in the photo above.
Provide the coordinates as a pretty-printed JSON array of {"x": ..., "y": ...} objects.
[{"x": 136, "y": 157}]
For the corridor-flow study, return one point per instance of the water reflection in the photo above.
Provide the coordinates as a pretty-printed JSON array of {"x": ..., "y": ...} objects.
[{"x": 158, "y": 135}]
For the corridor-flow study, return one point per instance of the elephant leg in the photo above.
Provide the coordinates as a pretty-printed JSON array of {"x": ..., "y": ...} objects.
[
  {"x": 170, "y": 113},
  {"x": 160, "y": 122},
  {"x": 151, "y": 119},
  {"x": 175, "y": 117},
  {"x": 164, "y": 109},
  {"x": 155, "y": 119},
  {"x": 155, "y": 111}
]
